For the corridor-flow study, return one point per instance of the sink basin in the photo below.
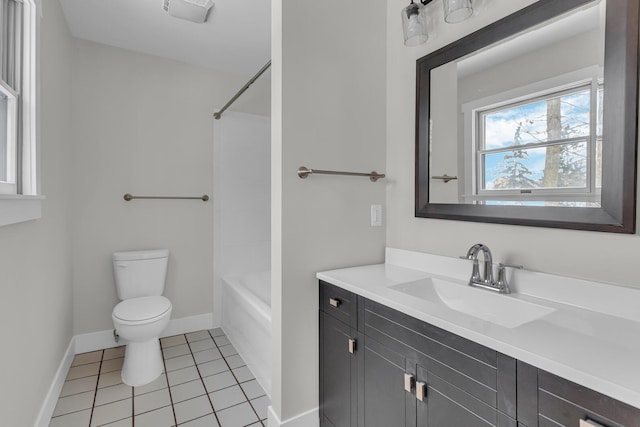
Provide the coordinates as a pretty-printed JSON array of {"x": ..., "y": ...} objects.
[{"x": 500, "y": 309}]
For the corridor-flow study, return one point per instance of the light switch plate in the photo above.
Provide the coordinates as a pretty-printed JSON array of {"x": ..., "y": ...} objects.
[{"x": 376, "y": 215}]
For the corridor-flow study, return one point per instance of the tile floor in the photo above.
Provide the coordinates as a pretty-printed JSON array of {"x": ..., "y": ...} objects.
[{"x": 206, "y": 383}]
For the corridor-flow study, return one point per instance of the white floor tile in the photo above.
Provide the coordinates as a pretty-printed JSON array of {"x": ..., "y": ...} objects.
[
  {"x": 157, "y": 384},
  {"x": 207, "y": 355},
  {"x": 114, "y": 352},
  {"x": 192, "y": 409},
  {"x": 205, "y": 344},
  {"x": 187, "y": 391},
  {"x": 111, "y": 365},
  {"x": 111, "y": 412},
  {"x": 77, "y": 419},
  {"x": 260, "y": 405},
  {"x": 219, "y": 381},
  {"x": 182, "y": 375},
  {"x": 228, "y": 350},
  {"x": 227, "y": 397},
  {"x": 78, "y": 386},
  {"x": 74, "y": 403},
  {"x": 252, "y": 389},
  {"x": 217, "y": 332},
  {"x": 114, "y": 393},
  {"x": 239, "y": 415},
  {"x": 223, "y": 340},
  {"x": 173, "y": 341},
  {"x": 82, "y": 371},
  {"x": 243, "y": 374},
  {"x": 175, "y": 351},
  {"x": 159, "y": 418},
  {"x": 235, "y": 361},
  {"x": 206, "y": 421},
  {"x": 213, "y": 367},
  {"x": 179, "y": 362},
  {"x": 86, "y": 358},
  {"x": 197, "y": 336},
  {"x": 127, "y": 422},
  {"x": 151, "y": 401},
  {"x": 109, "y": 379}
]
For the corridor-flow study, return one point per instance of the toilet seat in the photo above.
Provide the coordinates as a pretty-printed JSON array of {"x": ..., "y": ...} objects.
[{"x": 142, "y": 310}]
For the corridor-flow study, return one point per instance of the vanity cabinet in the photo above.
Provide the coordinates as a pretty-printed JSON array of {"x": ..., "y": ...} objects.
[
  {"x": 382, "y": 368},
  {"x": 389, "y": 369}
]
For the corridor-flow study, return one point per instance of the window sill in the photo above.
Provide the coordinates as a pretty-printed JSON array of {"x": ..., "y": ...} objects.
[{"x": 18, "y": 208}]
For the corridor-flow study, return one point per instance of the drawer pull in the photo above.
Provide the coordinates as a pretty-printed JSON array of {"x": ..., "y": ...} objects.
[
  {"x": 420, "y": 390},
  {"x": 352, "y": 345},
  {"x": 408, "y": 382},
  {"x": 334, "y": 302},
  {"x": 590, "y": 423}
]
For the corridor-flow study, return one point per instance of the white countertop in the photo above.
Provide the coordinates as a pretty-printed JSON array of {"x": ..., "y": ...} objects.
[{"x": 592, "y": 337}]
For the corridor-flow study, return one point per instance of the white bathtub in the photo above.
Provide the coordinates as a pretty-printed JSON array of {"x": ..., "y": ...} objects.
[{"x": 246, "y": 320}]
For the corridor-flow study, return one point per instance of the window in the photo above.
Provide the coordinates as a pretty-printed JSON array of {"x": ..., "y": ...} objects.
[
  {"x": 17, "y": 96},
  {"x": 541, "y": 148},
  {"x": 18, "y": 180}
]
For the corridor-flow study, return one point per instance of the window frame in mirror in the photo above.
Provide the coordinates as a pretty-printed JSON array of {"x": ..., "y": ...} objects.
[{"x": 618, "y": 205}]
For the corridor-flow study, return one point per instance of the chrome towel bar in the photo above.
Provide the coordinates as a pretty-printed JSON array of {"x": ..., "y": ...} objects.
[
  {"x": 304, "y": 172},
  {"x": 128, "y": 197}
]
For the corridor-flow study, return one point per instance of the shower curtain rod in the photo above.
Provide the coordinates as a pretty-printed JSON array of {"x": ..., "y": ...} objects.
[{"x": 241, "y": 91}]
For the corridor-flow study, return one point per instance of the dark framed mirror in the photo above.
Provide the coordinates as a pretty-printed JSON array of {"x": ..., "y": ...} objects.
[{"x": 533, "y": 120}]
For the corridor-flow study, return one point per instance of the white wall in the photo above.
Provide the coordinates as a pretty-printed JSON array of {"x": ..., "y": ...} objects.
[
  {"x": 328, "y": 112},
  {"x": 35, "y": 257},
  {"x": 242, "y": 205},
  {"x": 143, "y": 125},
  {"x": 598, "y": 256}
]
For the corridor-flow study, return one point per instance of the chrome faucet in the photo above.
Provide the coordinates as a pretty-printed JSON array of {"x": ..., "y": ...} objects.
[{"x": 486, "y": 280}]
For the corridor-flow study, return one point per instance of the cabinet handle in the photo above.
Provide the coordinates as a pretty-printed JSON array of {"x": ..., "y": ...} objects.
[
  {"x": 420, "y": 390},
  {"x": 408, "y": 382},
  {"x": 334, "y": 302},
  {"x": 590, "y": 423},
  {"x": 352, "y": 345}
]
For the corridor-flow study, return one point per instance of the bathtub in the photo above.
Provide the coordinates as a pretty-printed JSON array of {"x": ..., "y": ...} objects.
[{"x": 246, "y": 320}]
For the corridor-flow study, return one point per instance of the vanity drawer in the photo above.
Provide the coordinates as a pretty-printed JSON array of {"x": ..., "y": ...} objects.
[
  {"x": 339, "y": 303},
  {"x": 562, "y": 402}
]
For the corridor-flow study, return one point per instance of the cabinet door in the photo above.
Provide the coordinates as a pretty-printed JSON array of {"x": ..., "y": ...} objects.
[
  {"x": 338, "y": 374},
  {"x": 383, "y": 399},
  {"x": 445, "y": 405}
]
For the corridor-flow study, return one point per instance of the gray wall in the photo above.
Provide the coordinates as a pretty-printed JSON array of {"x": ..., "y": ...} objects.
[
  {"x": 35, "y": 257},
  {"x": 328, "y": 112},
  {"x": 598, "y": 256},
  {"x": 144, "y": 125}
]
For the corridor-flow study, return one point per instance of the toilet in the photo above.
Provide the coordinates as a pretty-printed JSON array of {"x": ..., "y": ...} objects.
[{"x": 143, "y": 312}]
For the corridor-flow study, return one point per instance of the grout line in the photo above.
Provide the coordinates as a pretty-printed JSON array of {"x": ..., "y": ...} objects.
[
  {"x": 236, "y": 378},
  {"x": 95, "y": 393},
  {"x": 204, "y": 385},
  {"x": 166, "y": 377}
]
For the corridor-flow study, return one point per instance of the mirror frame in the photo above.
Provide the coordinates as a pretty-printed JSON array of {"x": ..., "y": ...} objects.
[{"x": 618, "y": 205}]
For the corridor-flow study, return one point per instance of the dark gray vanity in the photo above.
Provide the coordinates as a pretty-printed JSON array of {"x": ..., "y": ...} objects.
[{"x": 381, "y": 367}]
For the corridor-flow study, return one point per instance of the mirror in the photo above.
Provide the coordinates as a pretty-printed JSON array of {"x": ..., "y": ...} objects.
[{"x": 532, "y": 120}]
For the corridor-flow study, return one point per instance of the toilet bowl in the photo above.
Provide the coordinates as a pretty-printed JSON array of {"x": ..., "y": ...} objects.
[
  {"x": 140, "y": 321},
  {"x": 143, "y": 312}
]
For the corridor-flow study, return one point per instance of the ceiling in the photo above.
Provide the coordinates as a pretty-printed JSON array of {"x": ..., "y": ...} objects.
[{"x": 236, "y": 37}]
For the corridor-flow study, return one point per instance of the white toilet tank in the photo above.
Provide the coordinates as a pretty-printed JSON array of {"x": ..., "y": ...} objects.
[{"x": 140, "y": 273}]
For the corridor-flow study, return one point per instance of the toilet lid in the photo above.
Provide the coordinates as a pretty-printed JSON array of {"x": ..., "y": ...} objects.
[{"x": 143, "y": 308}]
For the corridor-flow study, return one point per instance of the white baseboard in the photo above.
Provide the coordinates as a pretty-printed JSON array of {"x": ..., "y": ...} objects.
[
  {"x": 51, "y": 399},
  {"x": 104, "y": 339},
  {"x": 306, "y": 419}
]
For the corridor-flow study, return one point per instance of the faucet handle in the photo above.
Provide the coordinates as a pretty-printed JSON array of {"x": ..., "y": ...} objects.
[{"x": 502, "y": 283}]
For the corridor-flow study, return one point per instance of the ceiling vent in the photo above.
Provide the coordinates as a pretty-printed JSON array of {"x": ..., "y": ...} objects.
[{"x": 191, "y": 10}]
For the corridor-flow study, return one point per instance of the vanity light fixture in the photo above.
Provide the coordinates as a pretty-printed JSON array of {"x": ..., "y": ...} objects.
[{"x": 414, "y": 18}]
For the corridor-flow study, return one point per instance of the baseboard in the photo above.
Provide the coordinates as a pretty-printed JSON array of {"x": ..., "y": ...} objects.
[
  {"x": 104, "y": 339},
  {"x": 306, "y": 419},
  {"x": 51, "y": 399}
]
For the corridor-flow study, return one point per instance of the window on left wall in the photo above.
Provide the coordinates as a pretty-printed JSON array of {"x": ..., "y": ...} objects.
[{"x": 19, "y": 194}]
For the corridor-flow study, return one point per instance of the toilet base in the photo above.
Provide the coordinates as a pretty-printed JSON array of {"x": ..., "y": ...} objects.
[{"x": 142, "y": 362}]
